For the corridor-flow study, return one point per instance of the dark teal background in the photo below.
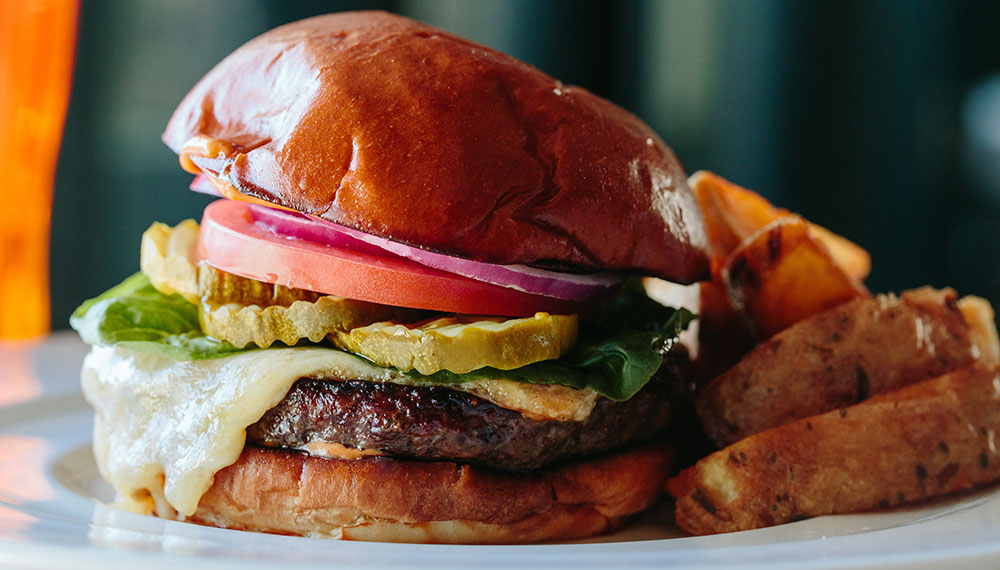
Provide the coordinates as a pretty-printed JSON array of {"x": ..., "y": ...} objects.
[{"x": 850, "y": 112}]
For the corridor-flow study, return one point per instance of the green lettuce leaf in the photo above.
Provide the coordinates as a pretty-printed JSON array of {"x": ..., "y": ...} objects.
[
  {"x": 615, "y": 356},
  {"x": 134, "y": 315},
  {"x": 615, "y": 367}
]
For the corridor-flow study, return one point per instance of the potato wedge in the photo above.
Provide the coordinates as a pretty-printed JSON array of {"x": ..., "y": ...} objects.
[
  {"x": 723, "y": 334},
  {"x": 978, "y": 313},
  {"x": 782, "y": 275},
  {"x": 838, "y": 358},
  {"x": 852, "y": 258},
  {"x": 928, "y": 439},
  {"x": 733, "y": 213}
]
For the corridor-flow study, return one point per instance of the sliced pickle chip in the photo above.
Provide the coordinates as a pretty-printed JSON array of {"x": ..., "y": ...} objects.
[
  {"x": 244, "y": 324},
  {"x": 217, "y": 287},
  {"x": 168, "y": 256},
  {"x": 461, "y": 344},
  {"x": 241, "y": 311}
]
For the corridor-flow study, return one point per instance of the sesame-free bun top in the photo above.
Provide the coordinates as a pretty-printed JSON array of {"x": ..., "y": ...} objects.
[{"x": 399, "y": 129}]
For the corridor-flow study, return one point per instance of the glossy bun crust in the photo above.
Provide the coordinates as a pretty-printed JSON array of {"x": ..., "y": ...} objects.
[
  {"x": 402, "y": 130},
  {"x": 386, "y": 500}
]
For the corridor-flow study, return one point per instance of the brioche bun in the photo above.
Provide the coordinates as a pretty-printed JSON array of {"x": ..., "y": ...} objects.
[
  {"x": 407, "y": 501},
  {"x": 402, "y": 130}
]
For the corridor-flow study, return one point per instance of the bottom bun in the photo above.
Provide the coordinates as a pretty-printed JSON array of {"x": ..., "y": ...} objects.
[{"x": 382, "y": 499}]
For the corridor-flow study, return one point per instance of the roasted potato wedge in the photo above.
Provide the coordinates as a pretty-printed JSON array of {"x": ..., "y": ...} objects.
[
  {"x": 978, "y": 313},
  {"x": 925, "y": 440},
  {"x": 852, "y": 258},
  {"x": 841, "y": 357},
  {"x": 733, "y": 214},
  {"x": 723, "y": 334},
  {"x": 782, "y": 275}
]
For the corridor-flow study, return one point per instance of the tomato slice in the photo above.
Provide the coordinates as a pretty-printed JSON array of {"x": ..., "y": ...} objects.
[{"x": 230, "y": 240}]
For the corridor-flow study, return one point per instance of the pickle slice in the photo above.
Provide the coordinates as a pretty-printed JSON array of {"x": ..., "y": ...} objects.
[
  {"x": 462, "y": 343},
  {"x": 242, "y": 311},
  {"x": 244, "y": 324},
  {"x": 217, "y": 287},
  {"x": 168, "y": 256}
]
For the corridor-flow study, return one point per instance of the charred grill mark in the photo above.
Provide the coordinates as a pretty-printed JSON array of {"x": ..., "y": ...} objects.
[
  {"x": 774, "y": 244},
  {"x": 701, "y": 497},
  {"x": 946, "y": 474},
  {"x": 951, "y": 302},
  {"x": 863, "y": 385},
  {"x": 738, "y": 459},
  {"x": 738, "y": 274}
]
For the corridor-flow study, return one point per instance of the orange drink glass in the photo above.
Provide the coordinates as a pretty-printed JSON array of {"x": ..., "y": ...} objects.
[{"x": 37, "y": 40}]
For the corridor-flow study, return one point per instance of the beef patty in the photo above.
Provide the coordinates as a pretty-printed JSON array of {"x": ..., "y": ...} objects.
[{"x": 436, "y": 423}]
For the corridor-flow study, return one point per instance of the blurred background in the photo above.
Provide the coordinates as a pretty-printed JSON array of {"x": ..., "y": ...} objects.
[{"x": 879, "y": 120}]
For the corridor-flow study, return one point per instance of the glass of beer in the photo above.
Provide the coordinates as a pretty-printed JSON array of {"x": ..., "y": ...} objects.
[{"x": 37, "y": 41}]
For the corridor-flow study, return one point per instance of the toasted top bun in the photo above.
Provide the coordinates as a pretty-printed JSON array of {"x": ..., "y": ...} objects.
[{"x": 402, "y": 130}]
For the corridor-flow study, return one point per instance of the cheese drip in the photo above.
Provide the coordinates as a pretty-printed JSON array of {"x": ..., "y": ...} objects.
[
  {"x": 163, "y": 427},
  {"x": 175, "y": 424}
]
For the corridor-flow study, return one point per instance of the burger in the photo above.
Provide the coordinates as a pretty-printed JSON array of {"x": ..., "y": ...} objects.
[{"x": 414, "y": 313}]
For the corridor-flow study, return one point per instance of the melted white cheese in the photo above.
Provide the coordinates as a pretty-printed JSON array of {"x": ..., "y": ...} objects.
[
  {"x": 172, "y": 425},
  {"x": 164, "y": 427}
]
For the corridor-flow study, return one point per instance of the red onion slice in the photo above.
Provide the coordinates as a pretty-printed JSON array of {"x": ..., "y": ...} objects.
[{"x": 532, "y": 280}]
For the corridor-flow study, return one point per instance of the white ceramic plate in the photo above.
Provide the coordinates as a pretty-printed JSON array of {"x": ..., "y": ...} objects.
[{"x": 52, "y": 513}]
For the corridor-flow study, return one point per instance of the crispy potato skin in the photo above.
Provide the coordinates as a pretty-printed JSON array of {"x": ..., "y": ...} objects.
[
  {"x": 849, "y": 403},
  {"x": 838, "y": 358},
  {"x": 782, "y": 274},
  {"x": 770, "y": 269},
  {"x": 928, "y": 439},
  {"x": 733, "y": 213}
]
